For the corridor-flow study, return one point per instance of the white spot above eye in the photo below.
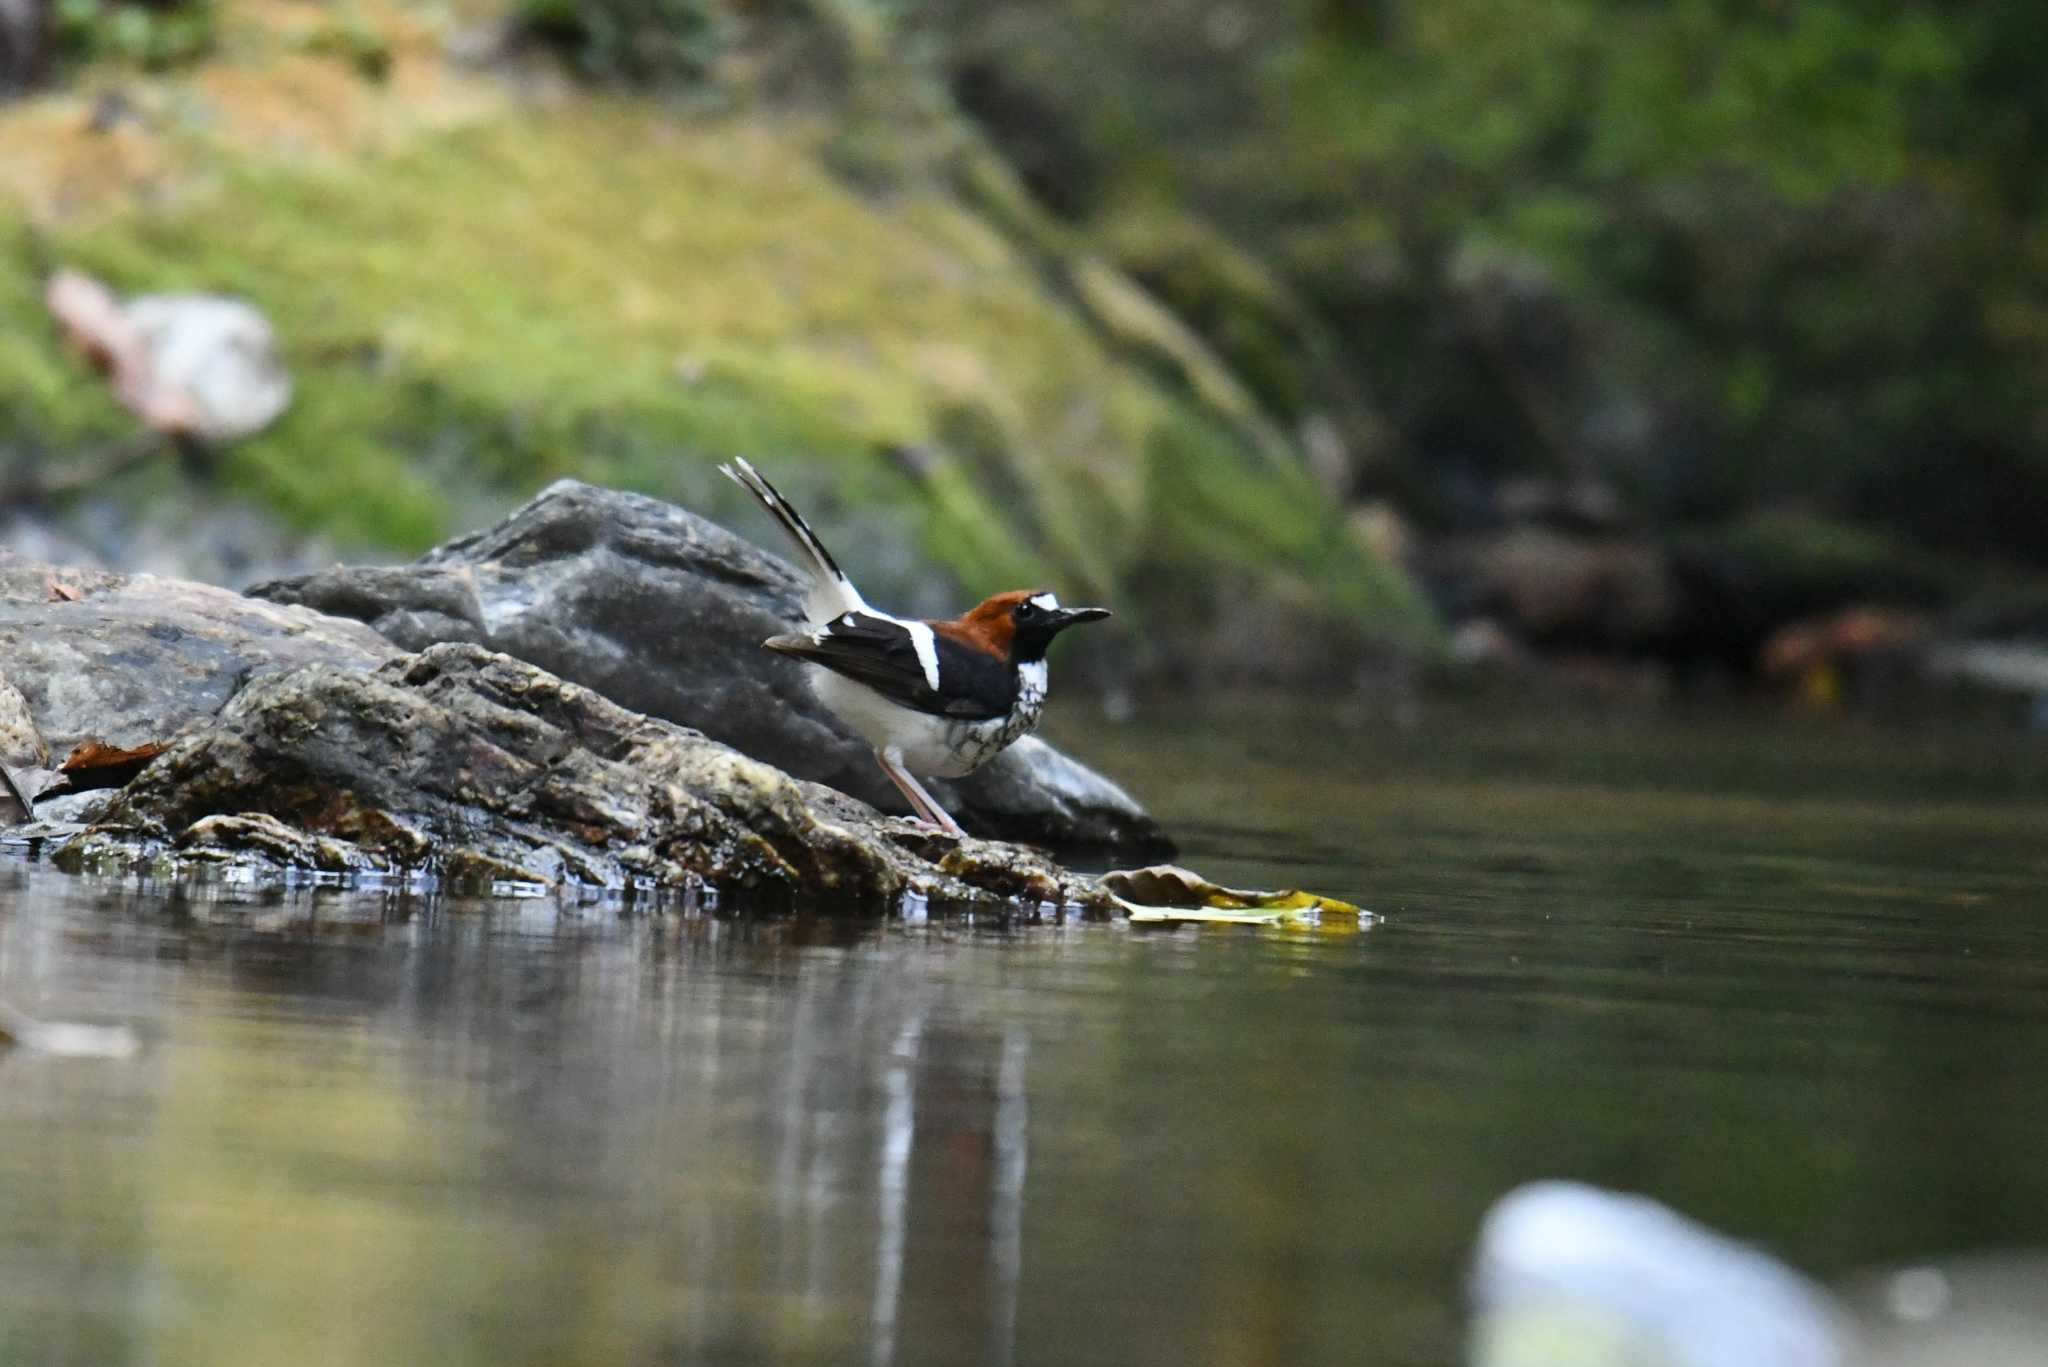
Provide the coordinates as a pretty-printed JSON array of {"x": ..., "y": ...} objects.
[{"x": 1049, "y": 602}]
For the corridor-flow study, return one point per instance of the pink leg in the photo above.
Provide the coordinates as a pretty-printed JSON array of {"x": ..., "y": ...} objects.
[{"x": 920, "y": 801}]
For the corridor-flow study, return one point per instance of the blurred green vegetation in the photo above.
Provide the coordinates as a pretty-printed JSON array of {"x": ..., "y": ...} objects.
[
  {"x": 642, "y": 42},
  {"x": 151, "y": 35},
  {"x": 1774, "y": 253}
]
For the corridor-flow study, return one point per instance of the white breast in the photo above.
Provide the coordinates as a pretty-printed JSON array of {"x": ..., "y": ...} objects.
[
  {"x": 1031, "y": 680},
  {"x": 945, "y": 746}
]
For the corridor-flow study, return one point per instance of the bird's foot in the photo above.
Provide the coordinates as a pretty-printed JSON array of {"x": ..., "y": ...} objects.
[
  {"x": 918, "y": 825},
  {"x": 929, "y": 812}
]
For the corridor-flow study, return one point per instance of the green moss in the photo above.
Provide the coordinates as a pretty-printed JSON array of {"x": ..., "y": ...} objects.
[
  {"x": 1222, "y": 513},
  {"x": 609, "y": 294},
  {"x": 148, "y": 35},
  {"x": 639, "y": 42},
  {"x": 357, "y": 42},
  {"x": 1240, "y": 312}
]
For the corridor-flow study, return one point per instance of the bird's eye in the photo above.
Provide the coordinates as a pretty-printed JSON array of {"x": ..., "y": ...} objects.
[{"x": 1027, "y": 611}]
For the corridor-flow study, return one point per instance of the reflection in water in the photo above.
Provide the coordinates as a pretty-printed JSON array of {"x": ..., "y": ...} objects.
[
  {"x": 401, "y": 1128},
  {"x": 1006, "y": 1216},
  {"x": 899, "y": 1128},
  {"x": 608, "y": 1140}
]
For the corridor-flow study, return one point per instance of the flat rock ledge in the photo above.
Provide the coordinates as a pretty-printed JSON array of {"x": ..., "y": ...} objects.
[
  {"x": 128, "y": 659},
  {"x": 472, "y": 768}
]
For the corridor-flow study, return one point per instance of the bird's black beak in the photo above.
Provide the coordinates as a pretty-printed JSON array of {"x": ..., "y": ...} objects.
[{"x": 1067, "y": 617}]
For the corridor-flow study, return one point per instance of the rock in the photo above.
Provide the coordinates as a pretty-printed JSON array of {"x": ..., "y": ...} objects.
[
  {"x": 222, "y": 353},
  {"x": 133, "y": 659},
  {"x": 2000, "y": 645},
  {"x": 198, "y": 365},
  {"x": 664, "y": 612},
  {"x": 1585, "y": 506},
  {"x": 1482, "y": 643},
  {"x": 259, "y": 837},
  {"x": 24, "y": 45},
  {"x": 75, "y": 809},
  {"x": 1982, "y": 1310},
  {"x": 1566, "y": 591},
  {"x": 21, "y": 745},
  {"x": 1571, "y": 1273},
  {"x": 474, "y": 767},
  {"x": 215, "y": 540},
  {"x": 24, "y": 759},
  {"x": 2007, "y": 666}
]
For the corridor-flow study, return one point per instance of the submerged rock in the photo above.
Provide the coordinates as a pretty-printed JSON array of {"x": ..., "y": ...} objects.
[
  {"x": 474, "y": 767},
  {"x": 128, "y": 660},
  {"x": 665, "y": 612}
]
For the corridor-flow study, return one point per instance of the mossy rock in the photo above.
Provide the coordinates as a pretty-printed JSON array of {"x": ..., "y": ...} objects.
[{"x": 1228, "y": 296}]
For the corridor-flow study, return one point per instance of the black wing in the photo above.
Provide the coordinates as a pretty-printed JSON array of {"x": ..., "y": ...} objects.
[{"x": 881, "y": 653}]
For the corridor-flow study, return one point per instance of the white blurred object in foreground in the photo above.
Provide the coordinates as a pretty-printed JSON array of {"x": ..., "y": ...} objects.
[
  {"x": 198, "y": 365},
  {"x": 1571, "y": 1274}
]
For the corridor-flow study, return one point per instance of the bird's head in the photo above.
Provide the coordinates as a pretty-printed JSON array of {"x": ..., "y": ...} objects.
[{"x": 1020, "y": 624}]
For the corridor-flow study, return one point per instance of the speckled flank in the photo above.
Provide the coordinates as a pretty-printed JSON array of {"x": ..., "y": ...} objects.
[{"x": 976, "y": 743}]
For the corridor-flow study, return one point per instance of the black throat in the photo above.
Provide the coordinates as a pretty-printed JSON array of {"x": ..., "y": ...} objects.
[{"x": 1029, "y": 644}]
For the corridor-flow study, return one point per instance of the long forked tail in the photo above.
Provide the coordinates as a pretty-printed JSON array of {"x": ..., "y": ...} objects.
[{"x": 831, "y": 591}]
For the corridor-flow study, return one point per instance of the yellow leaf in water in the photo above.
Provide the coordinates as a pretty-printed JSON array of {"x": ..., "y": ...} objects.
[{"x": 1167, "y": 893}]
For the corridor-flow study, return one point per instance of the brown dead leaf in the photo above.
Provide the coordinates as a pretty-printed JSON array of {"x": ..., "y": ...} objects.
[
  {"x": 96, "y": 764},
  {"x": 61, "y": 592}
]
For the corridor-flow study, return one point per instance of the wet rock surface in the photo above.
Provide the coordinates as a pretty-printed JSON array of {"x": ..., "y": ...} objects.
[
  {"x": 129, "y": 660},
  {"x": 664, "y": 612},
  {"x": 473, "y": 767},
  {"x": 21, "y": 744}
]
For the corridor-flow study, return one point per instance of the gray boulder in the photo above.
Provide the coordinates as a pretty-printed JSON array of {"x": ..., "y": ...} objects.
[
  {"x": 472, "y": 767},
  {"x": 129, "y": 660},
  {"x": 664, "y": 612}
]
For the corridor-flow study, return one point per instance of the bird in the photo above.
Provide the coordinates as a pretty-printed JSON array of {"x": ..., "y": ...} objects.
[{"x": 937, "y": 697}]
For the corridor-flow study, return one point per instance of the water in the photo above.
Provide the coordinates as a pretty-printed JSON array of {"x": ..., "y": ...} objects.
[{"x": 1789, "y": 977}]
